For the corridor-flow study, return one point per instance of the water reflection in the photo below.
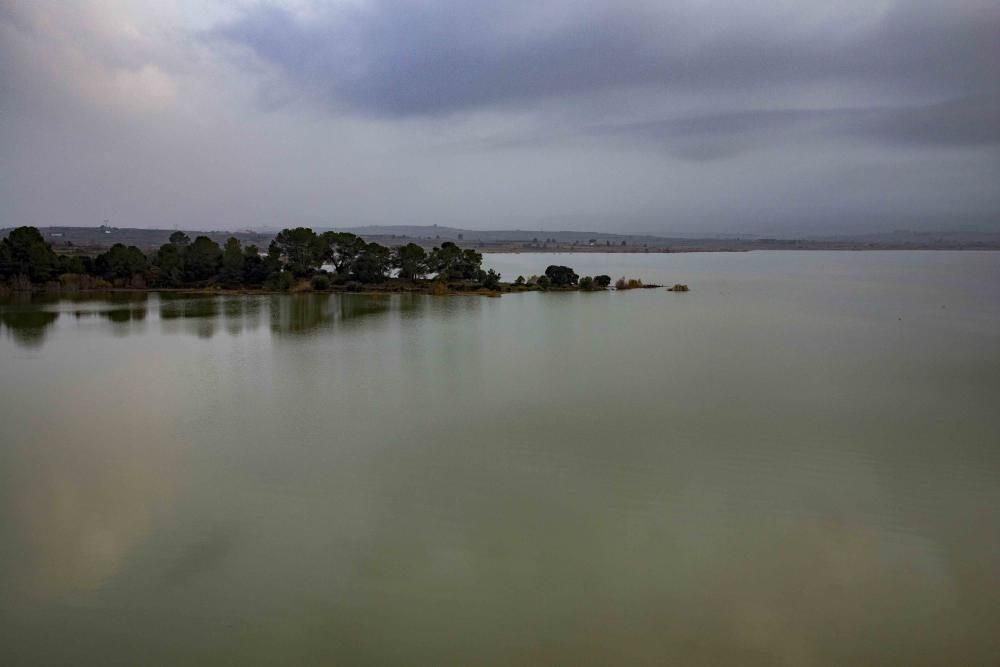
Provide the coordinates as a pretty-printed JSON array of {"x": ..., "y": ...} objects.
[
  {"x": 80, "y": 492},
  {"x": 122, "y": 315},
  {"x": 783, "y": 477},
  {"x": 299, "y": 314},
  {"x": 241, "y": 313},
  {"x": 184, "y": 313},
  {"x": 127, "y": 317},
  {"x": 206, "y": 315},
  {"x": 30, "y": 317},
  {"x": 27, "y": 327}
]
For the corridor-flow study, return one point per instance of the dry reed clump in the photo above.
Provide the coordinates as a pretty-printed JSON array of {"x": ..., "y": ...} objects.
[
  {"x": 72, "y": 282},
  {"x": 439, "y": 288},
  {"x": 630, "y": 283},
  {"x": 20, "y": 283}
]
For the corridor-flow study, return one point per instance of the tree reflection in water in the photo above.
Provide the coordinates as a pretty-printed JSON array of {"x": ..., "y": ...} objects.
[{"x": 27, "y": 327}]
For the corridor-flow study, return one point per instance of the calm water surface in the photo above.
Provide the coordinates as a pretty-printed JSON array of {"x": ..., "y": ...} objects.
[{"x": 796, "y": 463}]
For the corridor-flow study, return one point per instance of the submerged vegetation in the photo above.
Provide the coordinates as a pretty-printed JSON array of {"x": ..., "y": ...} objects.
[{"x": 297, "y": 260}]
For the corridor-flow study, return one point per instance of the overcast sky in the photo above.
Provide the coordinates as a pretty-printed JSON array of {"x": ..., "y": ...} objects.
[{"x": 773, "y": 116}]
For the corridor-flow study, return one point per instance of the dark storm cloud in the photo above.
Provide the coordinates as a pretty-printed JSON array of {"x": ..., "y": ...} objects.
[
  {"x": 617, "y": 115},
  {"x": 961, "y": 123},
  {"x": 966, "y": 122},
  {"x": 426, "y": 58}
]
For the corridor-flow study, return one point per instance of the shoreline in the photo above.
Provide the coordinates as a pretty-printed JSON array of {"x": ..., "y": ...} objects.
[
  {"x": 429, "y": 290},
  {"x": 238, "y": 291},
  {"x": 490, "y": 250}
]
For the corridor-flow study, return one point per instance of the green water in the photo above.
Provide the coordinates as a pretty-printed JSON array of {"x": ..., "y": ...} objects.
[{"x": 795, "y": 463}]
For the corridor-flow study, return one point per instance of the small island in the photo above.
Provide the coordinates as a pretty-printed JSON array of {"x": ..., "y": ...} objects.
[{"x": 296, "y": 260}]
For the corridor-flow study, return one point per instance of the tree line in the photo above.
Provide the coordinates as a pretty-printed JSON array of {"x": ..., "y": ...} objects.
[
  {"x": 296, "y": 257},
  {"x": 293, "y": 256}
]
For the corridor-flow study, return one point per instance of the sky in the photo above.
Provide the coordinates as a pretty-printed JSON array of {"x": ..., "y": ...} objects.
[{"x": 701, "y": 116}]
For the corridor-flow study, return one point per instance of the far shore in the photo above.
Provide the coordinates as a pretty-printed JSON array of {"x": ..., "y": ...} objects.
[
  {"x": 297, "y": 260},
  {"x": 431, "y": 288}
]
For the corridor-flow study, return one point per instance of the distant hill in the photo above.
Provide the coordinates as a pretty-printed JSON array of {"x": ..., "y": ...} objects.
[
  {"x": 908, "y": 237},
  {"x": 436, "y": 232},
  {"x": 91, "y": 240},
  {"x": 146, "y": 239},
  {"x": 426, "y": 235}
]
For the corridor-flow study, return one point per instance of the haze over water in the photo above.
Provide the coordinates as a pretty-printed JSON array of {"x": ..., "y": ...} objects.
[{"x": 795, "y": 463}]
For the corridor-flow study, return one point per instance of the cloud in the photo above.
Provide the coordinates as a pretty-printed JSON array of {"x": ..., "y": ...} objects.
[
  {"x": 92, "y": 51},
  {"x": 439, "y": 57},
  {"x": 960, "y": 123},
  {"x": 638, "y": 115}
]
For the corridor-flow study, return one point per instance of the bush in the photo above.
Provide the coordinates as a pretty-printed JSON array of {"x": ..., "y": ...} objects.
[
  {"x": 544, "y": 282},
  {"x": 282, "y": 281},
  {"x": 561, "y": 276},
  {"x": 630, "y": 283},
  {"x": 602, "y": 281},
  {"x": 586, "y": 283},
  {"x": 76, "y": 281},
  {"x": 520, "y": 281},
  {"x": 492, "y": 280},
  {"x": 321, "y": 282}
]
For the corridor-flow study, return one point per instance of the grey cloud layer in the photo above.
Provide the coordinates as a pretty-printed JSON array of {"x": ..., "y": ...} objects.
[
  {"x": 642, "y": 115},
  {"x": 960, "y": 123},
  {"x": 425, "y": 58}
]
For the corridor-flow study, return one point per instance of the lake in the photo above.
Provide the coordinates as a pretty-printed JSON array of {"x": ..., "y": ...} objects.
[{"x": 795, "y": 463}]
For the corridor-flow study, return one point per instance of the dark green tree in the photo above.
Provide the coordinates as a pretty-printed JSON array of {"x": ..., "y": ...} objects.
[
  {"x": 411, "y": 260},
  {"x": 256, "y": 269},
  {"x": 202, "y": 260},
  {"x": 372, "y": 264},
  {"x": 492, "y": 280},
  {"x": 300, "y": 250},
  {"x": 120, "y": 261},
  {"x": 25, "y": 252},
  {"x": 180, "y": 239},
  {"x": 445, "y": 260},
  {"x": 72, "y": 264},
  {"x": 169, "y": 265},
  {"x": 561, "y": 276},
  {"x": 452, "y": 263},
  {"x": 472, "y": 263},
  {"x": 341, "y": 249},
  {"x": 232, "y": 262},
  {"x": 602, "y": 281}
]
